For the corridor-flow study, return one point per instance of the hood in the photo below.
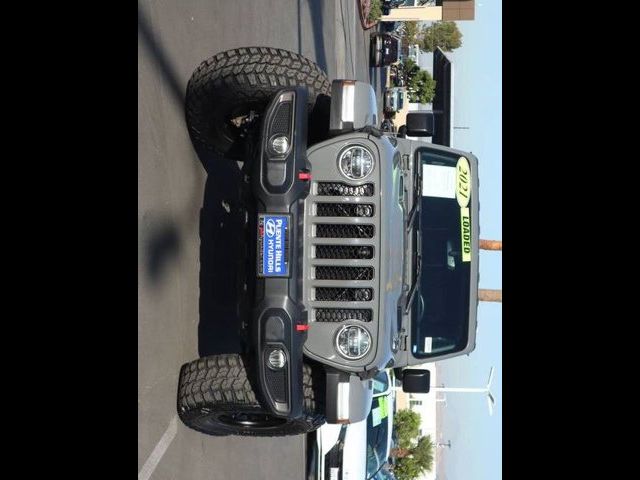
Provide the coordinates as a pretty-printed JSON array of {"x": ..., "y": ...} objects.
[{"x": 392, "y": 250}]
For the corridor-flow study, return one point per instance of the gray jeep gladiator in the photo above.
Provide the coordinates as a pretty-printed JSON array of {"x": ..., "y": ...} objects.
[{"x": 364, "y": 247}]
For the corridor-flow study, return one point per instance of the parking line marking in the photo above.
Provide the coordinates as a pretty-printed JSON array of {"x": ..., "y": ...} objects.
[{"x": 159, "y": 450}]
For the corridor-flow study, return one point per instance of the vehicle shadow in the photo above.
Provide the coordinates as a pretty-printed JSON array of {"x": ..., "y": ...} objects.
[
  {"x": 224, "y": 295},
  {"x": 315, "y": 8},
  {"x": 163, "y": 240},
  {"x": 222, "y": 230}
]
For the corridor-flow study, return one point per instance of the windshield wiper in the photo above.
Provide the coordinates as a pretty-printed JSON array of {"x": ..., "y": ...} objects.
[
  {"x": 416, "y": 281},
  {"x": 417, "y": 182}
]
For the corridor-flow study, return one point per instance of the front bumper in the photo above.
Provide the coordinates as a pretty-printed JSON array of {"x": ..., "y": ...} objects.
[{"x": 279, "y": 319}]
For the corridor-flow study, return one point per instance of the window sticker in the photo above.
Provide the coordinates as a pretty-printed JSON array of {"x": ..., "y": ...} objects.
[
  {"x": 438, "y": 181},
  {"x": 428, "y": 344},
  {"x": 384, "y": 407},
  {"x": 465, "y": 234},
  {"x": 463, "y": 182},
  {"x": 376, "y": 416}
]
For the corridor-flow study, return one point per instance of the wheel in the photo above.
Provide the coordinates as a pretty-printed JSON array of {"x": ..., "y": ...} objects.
[
  {"x": 215, "y": 397},
  {"x": 226, "y": 88}
]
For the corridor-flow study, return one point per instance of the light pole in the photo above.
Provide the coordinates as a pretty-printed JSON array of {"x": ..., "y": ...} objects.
[
  {"x": 442, "y": 445},
  {"x": 490, "y": 399}
]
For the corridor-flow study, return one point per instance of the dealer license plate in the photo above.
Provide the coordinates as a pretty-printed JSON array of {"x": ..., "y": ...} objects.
[{"x": 273, "y": 245}]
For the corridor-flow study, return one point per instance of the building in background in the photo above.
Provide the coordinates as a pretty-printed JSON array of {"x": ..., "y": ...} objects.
[{"x": 434, "y": 10}]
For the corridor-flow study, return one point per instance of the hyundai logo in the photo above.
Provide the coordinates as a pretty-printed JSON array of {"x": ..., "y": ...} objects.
[{"x": 270, "y": 228}]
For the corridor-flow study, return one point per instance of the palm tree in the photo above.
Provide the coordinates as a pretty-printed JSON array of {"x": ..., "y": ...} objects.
[
  {"x": 488, "y": 295},
  {"x": 490, "y": 244}
]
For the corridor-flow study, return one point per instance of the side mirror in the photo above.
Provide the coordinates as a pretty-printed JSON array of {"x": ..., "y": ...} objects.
[
  {"x": 402, "y": 132},
  {"x": 420, "y": 124},
  {"x": 416, "y": 381}
]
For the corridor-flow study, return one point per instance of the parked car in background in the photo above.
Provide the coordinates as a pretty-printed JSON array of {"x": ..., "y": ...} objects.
[
  {"x": 394, "y": 99},
  {"x": 384, "y": 49},
  {"x": 359, "y": 450}
]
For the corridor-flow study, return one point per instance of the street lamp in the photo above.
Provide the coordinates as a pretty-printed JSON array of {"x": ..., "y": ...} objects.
[{"x": 491, "y": 401}]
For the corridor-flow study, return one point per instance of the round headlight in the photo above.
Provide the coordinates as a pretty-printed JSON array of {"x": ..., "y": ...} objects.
[
  {"x": 353, "y": 342},
  {"x": 355, "y": 162}
]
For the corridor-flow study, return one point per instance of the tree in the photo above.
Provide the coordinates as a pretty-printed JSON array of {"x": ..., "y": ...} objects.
[
  {"x": 409, "y": 69},
  {"x": 411, "y": 32},
  {"x": 422, "y": 87},
  {"x": 407, "y": 426},
  {"x": 419, "y": 459},
  {"x": 375, "y": 11},
  {"x": 491, "y": 244},
  {"x": 423, "y": 453},
  {"x": 484, "y": 294},
  {"x": 441, "y": 34},
  {"x": 420, "y": 84},
  {"x": 406, "y": 469},
  {"x": 489, "y": 295}
]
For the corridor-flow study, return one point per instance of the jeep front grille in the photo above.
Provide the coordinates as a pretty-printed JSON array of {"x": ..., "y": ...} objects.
[
  {"x": 344, "y": 251},
  {"x": 344, "y": 210},
  {"x": 339, "y": 189},
  {"x": 333, "y": 230},
  {"x": 341, "y": 281},
  {"x": 335, "y": 294},
  {"x": 343, "y": 273},
  {"x": 343, "y": 314}
]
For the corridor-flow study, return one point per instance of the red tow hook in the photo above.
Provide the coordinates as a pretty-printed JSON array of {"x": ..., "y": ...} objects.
[
  {"x": 302, "y": 328},
  {"x": 304, "y": 175}
]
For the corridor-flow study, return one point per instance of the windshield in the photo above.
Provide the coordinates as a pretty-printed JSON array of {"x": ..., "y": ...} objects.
[
  {"x": 377, "y": 433},
  {"x": 440, "y": 305}
]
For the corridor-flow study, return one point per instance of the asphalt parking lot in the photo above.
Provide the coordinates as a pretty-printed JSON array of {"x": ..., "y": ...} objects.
[{"x": 188, "y": 220}]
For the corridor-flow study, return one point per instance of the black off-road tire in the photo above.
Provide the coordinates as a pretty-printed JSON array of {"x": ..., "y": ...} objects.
[
  {"x": 215, "y": 397},
  {"x": 232, "y": 83}
]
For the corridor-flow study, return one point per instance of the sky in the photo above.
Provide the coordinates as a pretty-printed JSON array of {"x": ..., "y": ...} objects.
[{"x": 476, "y": 437}]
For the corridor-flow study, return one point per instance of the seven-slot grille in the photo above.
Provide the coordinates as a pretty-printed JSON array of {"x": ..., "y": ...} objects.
[
  {"x": 344, "y": 251},
  {"x": 344, "y": 209},
  {"x": 333, "y": 230},
  {"x": 342, "y": 314},
  {"x": 339, "y": 189},
  {"x": 340, "y": 294},
  {"x": 342, "y": 275}
]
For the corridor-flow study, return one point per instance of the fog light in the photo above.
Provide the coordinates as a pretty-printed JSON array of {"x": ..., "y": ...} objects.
[
  {"x": 277, "y": 359},
  {"x": 280, "y": 144}
]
